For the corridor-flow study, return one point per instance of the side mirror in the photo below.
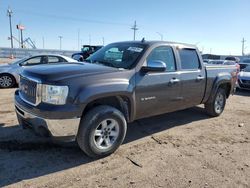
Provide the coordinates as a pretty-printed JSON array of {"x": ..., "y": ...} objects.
[{"x": 155, "y": 66}]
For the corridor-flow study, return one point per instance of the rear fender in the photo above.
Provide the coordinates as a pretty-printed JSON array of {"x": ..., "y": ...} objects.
[{"x": 221, "y": 79}]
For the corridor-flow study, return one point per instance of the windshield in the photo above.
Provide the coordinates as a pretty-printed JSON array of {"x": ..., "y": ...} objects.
[
  {"x": 118, "y": 55},
  {"x": 85, "y": 49}
]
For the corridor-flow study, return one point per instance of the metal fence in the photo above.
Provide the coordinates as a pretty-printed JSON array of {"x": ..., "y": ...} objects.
[{"x": 20, "y": 52}]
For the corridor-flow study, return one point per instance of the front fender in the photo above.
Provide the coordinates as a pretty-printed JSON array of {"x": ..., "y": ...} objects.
[{"x": 93, "y": 92}]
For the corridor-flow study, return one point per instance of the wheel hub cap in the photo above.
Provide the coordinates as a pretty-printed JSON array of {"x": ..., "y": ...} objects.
[
  {"x": 106, "y": 134},
  {"x": 5, "y": 81},
  {"x": 219, "y": 103}
]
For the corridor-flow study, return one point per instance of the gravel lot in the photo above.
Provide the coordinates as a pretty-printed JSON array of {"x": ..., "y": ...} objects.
[{"x": 181, "y": 149}]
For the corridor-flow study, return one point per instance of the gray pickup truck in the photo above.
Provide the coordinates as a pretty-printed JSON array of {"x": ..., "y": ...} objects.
[{"x": 92, "y": 102}]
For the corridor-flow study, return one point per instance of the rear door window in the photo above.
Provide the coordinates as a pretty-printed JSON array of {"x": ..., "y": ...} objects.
[
  {"x": 53, "y": 59},
  {"x": 189, "y": 59}
]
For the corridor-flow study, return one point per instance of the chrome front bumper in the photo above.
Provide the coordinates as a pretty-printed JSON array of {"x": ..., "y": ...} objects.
[{"x": 48, "y": 127}]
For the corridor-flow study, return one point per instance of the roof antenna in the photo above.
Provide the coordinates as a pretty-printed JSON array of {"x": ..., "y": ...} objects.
[{"x": 143, "y": 39}]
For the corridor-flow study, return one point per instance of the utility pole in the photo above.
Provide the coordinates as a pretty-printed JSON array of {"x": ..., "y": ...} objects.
[
  {"x": 243, "y": 46},
  {"x": 103, "y": 42},
  {"x": 161, "y": 35},
  {"x": 9, "y": 14},
  {"x": 22, "y": 46},
  {"x": 43, "y": 42},
  {"x": 60, "y": 37},
  {"x": 135, "y": 28},
  {"x": 78, "y": 38},
  {"x": 21, "y": 28}
]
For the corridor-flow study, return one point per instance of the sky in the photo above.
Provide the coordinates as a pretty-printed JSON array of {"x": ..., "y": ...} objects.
[{"x": 215, "y": 26}]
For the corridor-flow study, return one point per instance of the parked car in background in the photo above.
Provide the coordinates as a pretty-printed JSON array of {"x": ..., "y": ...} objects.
[
  {"x": 244, "y": 63},
  {"x": 225, "y": 62},
  {"x": 86, "y": 51},
  {"x": 216, "y": 62},
  {"x": 244, "y": 78},
  {"x": 232, "y": 58},
  {"x": 9, "y": 72},
  {"x": 206, "y": 61}
]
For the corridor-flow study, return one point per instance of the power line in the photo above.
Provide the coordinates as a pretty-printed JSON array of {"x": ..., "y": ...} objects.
[
  {"x": 135, "y": 28},
  {"x": 71, "y": 18}
]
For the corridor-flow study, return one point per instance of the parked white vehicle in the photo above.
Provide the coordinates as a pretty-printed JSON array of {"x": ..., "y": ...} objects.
[{"x": 9, "y": 72}]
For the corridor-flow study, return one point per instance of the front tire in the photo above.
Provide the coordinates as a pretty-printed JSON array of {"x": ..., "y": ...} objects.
[
  {"x": 7, "y": 81},
  {"x": 102, "y": 130},
  {"x": 217, "y": 105}
]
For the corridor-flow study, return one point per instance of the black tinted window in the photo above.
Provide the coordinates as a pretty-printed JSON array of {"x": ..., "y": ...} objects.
[
  {"x": 164, "y": 54},
  {"x": 189, "y": 59}
]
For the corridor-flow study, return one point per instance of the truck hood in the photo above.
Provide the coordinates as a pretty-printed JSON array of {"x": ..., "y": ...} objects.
[{"x": 61, "y": 71}]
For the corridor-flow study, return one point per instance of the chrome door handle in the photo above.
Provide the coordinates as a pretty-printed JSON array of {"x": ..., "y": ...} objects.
[
  {"x": 174, "y": 80},
  {"x": 200, "y": 78}
]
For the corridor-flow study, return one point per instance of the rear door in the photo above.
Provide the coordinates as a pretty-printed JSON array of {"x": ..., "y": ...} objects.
[
  {"x": 192, "y": 76},
  {"x": 158, "y": 92}
]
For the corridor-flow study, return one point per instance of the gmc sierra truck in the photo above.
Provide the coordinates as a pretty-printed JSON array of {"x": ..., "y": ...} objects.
[{"x": 92, "y": 102}]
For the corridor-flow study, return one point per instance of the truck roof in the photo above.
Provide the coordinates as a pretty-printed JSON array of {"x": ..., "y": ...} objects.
[{"x": 153, "y": 42}]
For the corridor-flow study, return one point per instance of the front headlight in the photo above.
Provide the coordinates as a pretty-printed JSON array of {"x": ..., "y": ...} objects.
[{"x": 54, "y": 94}]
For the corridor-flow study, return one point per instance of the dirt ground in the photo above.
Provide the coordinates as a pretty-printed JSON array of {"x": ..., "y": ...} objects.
[{"x": 181, "y": 149}]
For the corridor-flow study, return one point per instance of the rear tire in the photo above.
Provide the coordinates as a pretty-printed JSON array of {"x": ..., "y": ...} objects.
[
  {"x": 217, "y": 104},
  {"x": 102, "y": 130},
  {"x": 7, "y": 81}
]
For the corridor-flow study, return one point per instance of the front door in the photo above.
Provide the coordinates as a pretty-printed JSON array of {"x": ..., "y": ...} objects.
[{"x": 158, "y": 92}]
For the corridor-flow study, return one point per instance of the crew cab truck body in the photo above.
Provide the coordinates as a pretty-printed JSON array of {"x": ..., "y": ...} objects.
[{"x": 92, "y": 102}]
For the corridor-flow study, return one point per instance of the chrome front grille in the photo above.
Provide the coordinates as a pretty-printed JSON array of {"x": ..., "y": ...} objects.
[{"x": 28, "y": 90}]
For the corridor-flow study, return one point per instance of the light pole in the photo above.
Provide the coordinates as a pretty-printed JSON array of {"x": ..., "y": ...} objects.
[
  {"x": 60, "y": 37},
  {"x": 103, "y": 41},
  {"x": 161, "y": 35},
  {"x": 9, "y": 14}
]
